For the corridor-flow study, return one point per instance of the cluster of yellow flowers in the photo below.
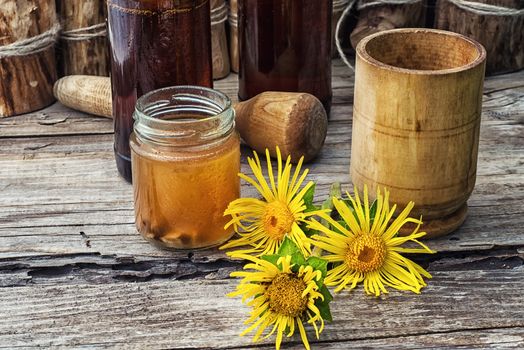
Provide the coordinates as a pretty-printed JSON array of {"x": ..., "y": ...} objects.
[{"x": 296, "y": 249}]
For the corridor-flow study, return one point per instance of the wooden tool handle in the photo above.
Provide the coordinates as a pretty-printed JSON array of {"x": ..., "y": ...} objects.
[
  {"x": 296, "y": 122},
  {"x": 86, "y": 93}
]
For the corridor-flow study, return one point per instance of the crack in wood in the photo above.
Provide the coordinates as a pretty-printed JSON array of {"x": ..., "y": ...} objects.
[{"x": 96, "y": 268}]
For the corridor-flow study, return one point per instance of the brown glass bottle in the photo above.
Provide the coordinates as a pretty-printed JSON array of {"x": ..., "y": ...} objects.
[
  {"x": 285, "y": 45},
  {"x": 154, "y": 44}
]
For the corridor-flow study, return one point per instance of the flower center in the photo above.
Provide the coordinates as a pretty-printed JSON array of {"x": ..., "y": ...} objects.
[
  {"x": 366, "y": 253},
  {"x": 285, "y": 295},
  {"x": 277, "y": 220}
]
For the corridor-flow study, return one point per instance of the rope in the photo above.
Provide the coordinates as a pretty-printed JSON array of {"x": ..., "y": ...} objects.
[
  {"x": 85, "y": 33},
  {"x": 338, "y": 43},
  {"x": 361, "y": 6},
  {"x": 233, "y": 20},
  {"x": 486, "y": 9},
  {"x": 32, "y": 45},
  {"x": 339, "y": 5},
  {"x": 219, "y": 15}
]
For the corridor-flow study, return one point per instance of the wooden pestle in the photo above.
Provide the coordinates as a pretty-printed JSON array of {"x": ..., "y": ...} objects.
[{"x": 295, "y": 122}]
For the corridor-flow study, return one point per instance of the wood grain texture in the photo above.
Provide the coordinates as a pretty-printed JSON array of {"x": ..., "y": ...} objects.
[
  {"x": 74, "y": 272},
  {"x": 219, "y": 46},
  {"x": 88, "y": 56},
  {"x": 179, "y": 314},
  {"x": 26, "y": 82},
  {"x": 502, "y": 36},
  {"x": 233, "y": 35},
  {"x": 382, "y": 17}
]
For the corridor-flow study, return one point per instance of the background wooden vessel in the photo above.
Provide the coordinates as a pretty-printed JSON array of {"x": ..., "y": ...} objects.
[
  {"x": 501, "y": 35},
  {"x": 87, "y": 56},
  {"x": 26, "y": 82}
]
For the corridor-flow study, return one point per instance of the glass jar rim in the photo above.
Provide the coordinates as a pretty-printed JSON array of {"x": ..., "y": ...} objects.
[
  {"x": 205, "y": 115},
  {"x": 141, "y": 106}
]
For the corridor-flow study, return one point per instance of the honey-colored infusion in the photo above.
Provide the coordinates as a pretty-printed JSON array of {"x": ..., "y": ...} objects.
[{"x": 181, "y": 197}]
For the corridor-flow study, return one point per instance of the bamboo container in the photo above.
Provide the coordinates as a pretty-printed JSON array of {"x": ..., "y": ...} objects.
[
  {"x": 375, "y": 16},
  {"x": 83, "y": 44},
  {"x": 496, "y": 24},
  {"x": 233, "y": 35},
  {"x": 416, "y": 121},
  {"x": 219, "y": 47},
  {"x": 28, "y": 70}
]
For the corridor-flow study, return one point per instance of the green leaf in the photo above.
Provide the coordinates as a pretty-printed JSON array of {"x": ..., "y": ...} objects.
[
  {"x": 318, "y": 264},
  {"x": 373, "y": 211},
  {"x": 323, "y": 305},
  {"x": 288, "y": 247},
  {"x": 308, "y": 199},
  {"x": 273, "y": 258},
  {"x": 307, "y": 231}
]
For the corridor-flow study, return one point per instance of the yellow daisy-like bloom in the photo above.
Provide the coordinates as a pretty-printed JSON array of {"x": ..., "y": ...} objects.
[
  {"x": 368, "y": 249},
  {"x": 263, "y": 224},
  {"x": 281, "y": 298}
]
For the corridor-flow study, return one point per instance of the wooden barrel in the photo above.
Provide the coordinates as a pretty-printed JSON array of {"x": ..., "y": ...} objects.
[
  {"x": 416, "y": 121},
  {"x": 375, "y": 16},
  {"x": 83, "y": 44},
  {"x": 497, "y": 24},
  {"x": 28, "y": 30}
]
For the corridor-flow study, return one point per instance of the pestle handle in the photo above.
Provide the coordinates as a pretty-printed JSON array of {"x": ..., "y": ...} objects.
[
  {"x": 86, "y": 93},
  {"x": 296, "y": 122}
]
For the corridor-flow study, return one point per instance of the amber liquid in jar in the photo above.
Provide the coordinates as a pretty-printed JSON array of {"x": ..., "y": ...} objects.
[
  {"x": 154, "y": 44},
  {"x": 184, "y": 176},
  {"x": 285, "y": 45}
]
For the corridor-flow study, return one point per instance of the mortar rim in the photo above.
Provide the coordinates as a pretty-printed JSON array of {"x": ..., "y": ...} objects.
[{"x": 365, "y": 56}]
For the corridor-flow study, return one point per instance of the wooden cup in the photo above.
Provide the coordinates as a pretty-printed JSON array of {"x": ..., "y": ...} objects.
[{"x": 416, "y": 121}]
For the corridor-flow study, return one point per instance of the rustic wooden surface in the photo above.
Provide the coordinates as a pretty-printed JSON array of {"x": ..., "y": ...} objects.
[{"x": 75, "y": 273}]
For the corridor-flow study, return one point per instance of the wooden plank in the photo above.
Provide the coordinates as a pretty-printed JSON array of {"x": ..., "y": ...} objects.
[
  {"x": 45, "y": 193},
  {"x": 180, "y": 314}
]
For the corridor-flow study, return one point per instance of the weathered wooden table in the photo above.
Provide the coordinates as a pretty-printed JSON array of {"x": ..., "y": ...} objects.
[{"x": 75, "y": 273}]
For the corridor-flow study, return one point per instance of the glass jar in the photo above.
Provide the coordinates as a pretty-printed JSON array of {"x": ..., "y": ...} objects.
[
  {"x": 185, "y": 155},
  {"x": 285, "y": 45},
  {"x": 154, "y": 44}
]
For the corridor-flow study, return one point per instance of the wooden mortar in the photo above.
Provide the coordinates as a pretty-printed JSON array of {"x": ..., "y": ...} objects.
[
  {"x": 501, "y": 35},
  {"x": 416, "y": 121},
  {"x": 26, "y": 82},
  {"x": 83, "y": 56}
]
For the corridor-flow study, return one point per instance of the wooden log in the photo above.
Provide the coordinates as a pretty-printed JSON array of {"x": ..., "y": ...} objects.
[
  {"x": 82, "y": 50},
  {"x": 233, "y": 35},
  {"x": 501, "y": 35},
  {"x": 416, "y": 121},
  {"x": 26, "y": 81},
  {"x": 377, "y": 18},
  {"x": 219, "y": 47}
]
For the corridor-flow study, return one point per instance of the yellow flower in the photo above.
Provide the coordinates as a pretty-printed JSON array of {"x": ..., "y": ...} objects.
[
  {"x": 263, "y": 224},
  {"x": 365, "y": 247},
  {"x": 281, "y": 298}
]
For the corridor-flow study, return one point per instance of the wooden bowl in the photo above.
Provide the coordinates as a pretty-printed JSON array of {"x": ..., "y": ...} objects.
[{"x": 416, "y": 121}]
